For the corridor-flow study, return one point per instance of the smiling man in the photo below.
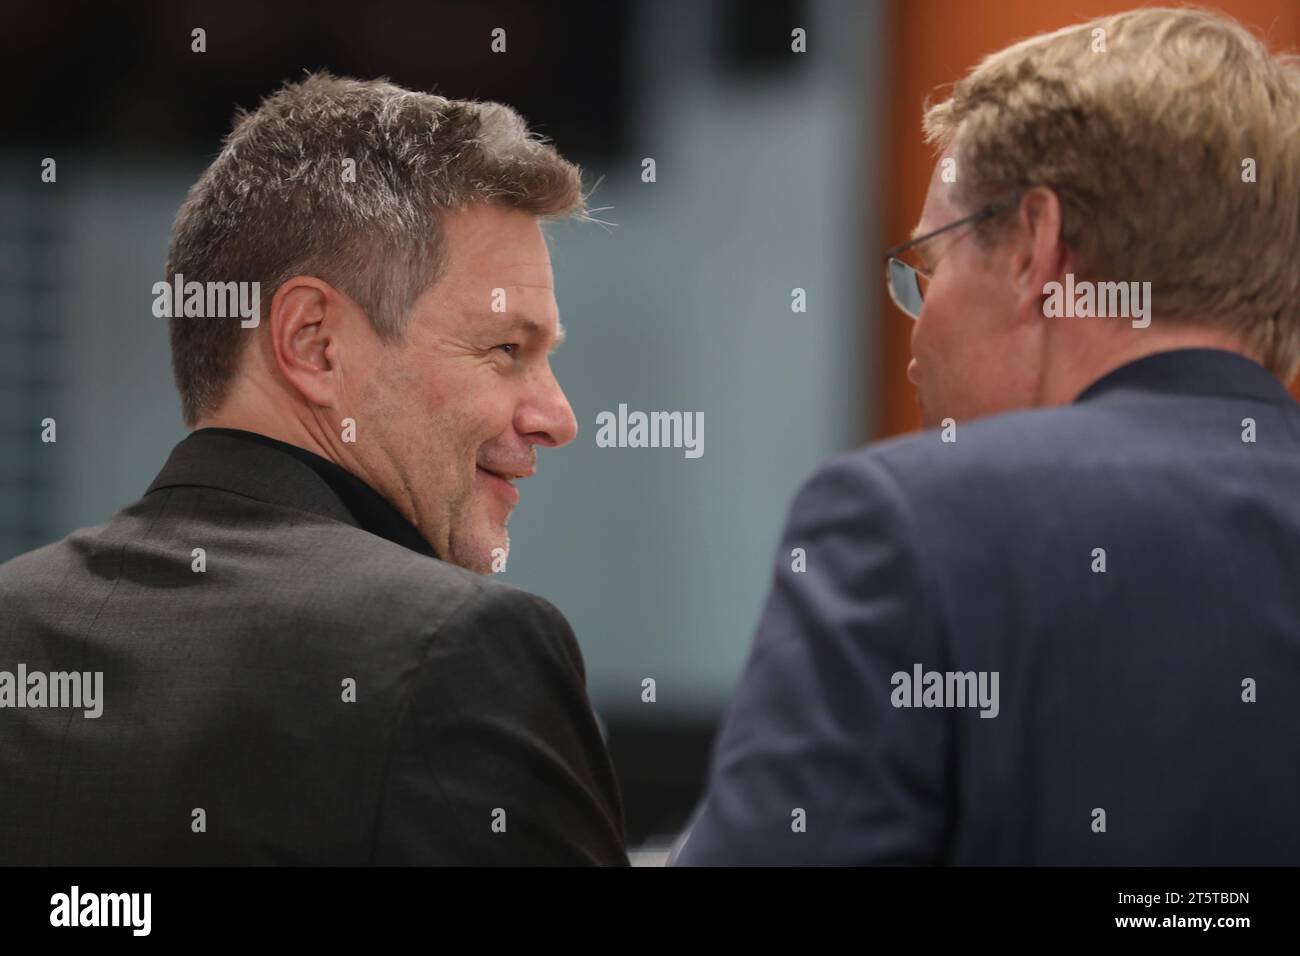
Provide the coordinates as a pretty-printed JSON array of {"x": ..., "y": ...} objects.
[
  {"x": 442, "y": 422},
  {"x": 305, "y": 659}
]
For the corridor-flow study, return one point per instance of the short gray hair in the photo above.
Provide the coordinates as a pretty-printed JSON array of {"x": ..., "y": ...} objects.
[{"x": 275, "y": 203}]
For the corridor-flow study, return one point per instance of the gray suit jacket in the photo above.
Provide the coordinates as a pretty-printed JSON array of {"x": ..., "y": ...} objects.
[
  {"x": 1145, "y": 714},
  {"x": 317, "y": 695}
]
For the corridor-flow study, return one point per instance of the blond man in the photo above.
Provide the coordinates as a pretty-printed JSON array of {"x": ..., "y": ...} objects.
[{"x": 1061, "y": 625}]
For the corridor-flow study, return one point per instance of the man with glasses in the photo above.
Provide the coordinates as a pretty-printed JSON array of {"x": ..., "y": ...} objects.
[{"x": 1063, "y": 627}]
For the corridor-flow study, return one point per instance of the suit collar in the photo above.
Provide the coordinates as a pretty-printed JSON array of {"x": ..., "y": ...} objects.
[
  {"x": 1192, "y": 372},
  {"x": 209, "y": 459}
]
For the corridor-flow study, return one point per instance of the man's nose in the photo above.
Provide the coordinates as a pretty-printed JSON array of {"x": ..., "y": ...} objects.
[
  {"x": 547, "y": 419},
  {"x": 914, "y": 372}
]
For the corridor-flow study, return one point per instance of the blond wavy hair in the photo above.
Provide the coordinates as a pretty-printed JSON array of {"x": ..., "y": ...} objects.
[{"x": 1147, "y": 125}]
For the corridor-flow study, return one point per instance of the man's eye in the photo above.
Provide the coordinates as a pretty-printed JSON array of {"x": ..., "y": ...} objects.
[{"x": 510, "y": 348}]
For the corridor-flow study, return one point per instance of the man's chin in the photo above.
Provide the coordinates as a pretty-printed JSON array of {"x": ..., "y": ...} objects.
[{"x": 483, "y": 553}]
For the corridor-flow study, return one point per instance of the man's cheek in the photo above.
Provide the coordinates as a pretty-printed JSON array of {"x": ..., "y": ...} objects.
[{"x": 489, "y": 424}]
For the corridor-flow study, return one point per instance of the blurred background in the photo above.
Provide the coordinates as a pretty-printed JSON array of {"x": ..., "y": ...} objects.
[{"x": 775, "y": 171}]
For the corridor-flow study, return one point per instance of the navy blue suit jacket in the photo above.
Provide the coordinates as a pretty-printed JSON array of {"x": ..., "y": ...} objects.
[{"x": 1147, "y": 713}]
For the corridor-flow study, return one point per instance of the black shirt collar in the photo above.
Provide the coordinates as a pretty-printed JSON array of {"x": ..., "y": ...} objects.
[
  {"x": 1192, "y": 372},
  {"x": 372, "y": 511}
]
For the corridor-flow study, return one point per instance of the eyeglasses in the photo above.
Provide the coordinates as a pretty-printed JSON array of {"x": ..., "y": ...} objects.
[{"x": 907, "y": 283}]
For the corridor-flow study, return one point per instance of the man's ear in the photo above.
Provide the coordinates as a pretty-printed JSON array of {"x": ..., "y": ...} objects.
[
  {"x": 1039, "y": 253},
  {"x": 305, "y": 321}
]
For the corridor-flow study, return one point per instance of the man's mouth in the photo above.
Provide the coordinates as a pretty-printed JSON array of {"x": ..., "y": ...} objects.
[{"x": 501, "y": 481}]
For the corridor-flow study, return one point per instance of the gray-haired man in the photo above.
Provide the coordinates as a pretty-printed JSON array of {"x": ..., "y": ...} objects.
[{"x": 303, "y": 658}]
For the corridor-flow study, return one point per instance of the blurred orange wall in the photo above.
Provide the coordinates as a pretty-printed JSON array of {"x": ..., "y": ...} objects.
[{"x": 935, "y": 42}]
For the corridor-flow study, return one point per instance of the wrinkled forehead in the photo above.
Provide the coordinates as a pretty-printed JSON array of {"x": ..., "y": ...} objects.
[
  {"x": 494, "y": 258},
  {"x": 486, "y": 245},
  {"x": 498, "y": 279}
]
